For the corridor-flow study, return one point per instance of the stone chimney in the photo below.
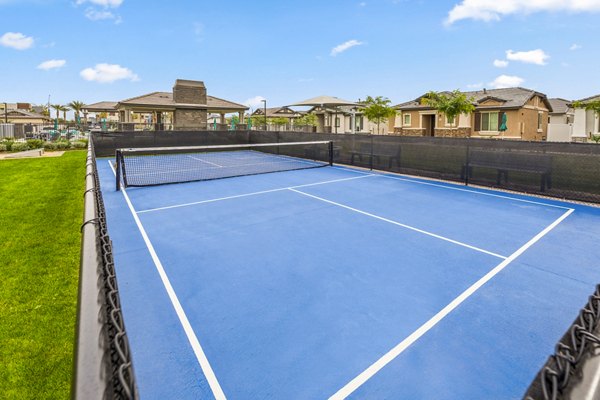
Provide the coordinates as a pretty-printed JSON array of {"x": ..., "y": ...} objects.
[
  {"x": 189, "y": 117},
  {"x": 189, "y": 92}
]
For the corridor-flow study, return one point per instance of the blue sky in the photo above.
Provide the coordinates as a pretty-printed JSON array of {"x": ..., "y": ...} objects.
[{"x": 286, "y": 51}]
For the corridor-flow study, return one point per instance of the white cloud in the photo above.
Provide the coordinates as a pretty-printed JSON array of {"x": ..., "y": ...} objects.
[
  {"x": 500, "y": 63},
  {"x": 255, "y": 102},
  {"x": 108, "y": 73},
  {"x": 475, "y": 85},
  {"x": 494, "y": 10},
  {"x": 103, "y": 3},
  {"x": 52, "y": 64},
  {"x": 16, "y": 40},
  {"x": 340, "y": 48},
  {"x": 575, "y": 46},
  {"x": 537, "y": 56},
  {"x": 99, "y": 15},
  {"x": 504, "y": 81}
]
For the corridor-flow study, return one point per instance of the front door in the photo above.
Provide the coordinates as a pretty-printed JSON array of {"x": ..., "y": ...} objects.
[{"x": 428, "y": 123}]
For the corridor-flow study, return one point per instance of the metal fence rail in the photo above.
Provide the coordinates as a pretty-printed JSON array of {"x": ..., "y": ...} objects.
[{"x": 102, "y": 366}]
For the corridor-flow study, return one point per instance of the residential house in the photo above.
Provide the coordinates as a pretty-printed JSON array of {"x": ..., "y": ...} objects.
[
  {"x": 560, "y": 121},
  {"x": 524, "y": 111},
  {"x": 24, "y": 117},
  {"x": 586, "y": 123},
  {"x": 346, "y": 119}
]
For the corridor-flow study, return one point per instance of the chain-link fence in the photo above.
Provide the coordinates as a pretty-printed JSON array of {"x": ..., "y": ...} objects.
[{"x": 103, "y": 368}]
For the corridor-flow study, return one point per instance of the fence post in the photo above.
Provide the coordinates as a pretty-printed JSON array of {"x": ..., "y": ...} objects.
[
  {"x": 371, "y": 157},
  {"x": 467, "y": 166}
]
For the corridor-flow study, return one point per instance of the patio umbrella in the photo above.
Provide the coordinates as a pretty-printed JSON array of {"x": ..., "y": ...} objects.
[
  {"x": 55, "y": 123},
  {"x": 503, "y": 127}
]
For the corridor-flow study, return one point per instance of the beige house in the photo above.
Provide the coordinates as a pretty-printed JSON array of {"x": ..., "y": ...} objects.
[
  {"x": 22, "y": 117},
  {"x": 524, "y": 113},
  {"x": 560, "y": 121},
  {"x": 586, "y": 123},
  {"x": 345, "y": 119}
]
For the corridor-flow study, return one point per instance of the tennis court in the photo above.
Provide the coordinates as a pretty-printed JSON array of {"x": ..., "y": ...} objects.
[{"x": 337, "y": 282}]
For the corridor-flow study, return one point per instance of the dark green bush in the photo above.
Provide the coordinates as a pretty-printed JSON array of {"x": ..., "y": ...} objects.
[
  {"x": 8, "y": 144},
  {"x": 35, "y": 143},
  {"x": 79, "y": 145},
  {"x": 2, "y": 147},
  {"x": 49, "y": 146},
  {"x": 19, "y": 146},
  {"x": 62, "y": 145}
]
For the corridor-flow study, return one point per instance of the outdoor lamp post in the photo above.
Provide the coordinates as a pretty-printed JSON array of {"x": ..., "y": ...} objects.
[{"x": 265, "y": 108}]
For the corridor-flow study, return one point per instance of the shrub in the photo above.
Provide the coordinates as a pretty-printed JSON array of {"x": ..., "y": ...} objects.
[
  {"x": 8, "y": 144},
  {"x": 79, "y": 145},
  {"x": 62, "y": 145},
  {"x": 2, "y": 147},
  {"x": 35, "y": 143},
  {"x": 49, "y": 146},
  {"x": 19, "y": 146}
]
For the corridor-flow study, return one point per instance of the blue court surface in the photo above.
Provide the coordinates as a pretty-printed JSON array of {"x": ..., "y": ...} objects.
[{"x": 343, "y": 283}]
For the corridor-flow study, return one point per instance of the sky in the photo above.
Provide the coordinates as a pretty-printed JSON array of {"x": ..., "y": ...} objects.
[{"x": 287, "y": 51}]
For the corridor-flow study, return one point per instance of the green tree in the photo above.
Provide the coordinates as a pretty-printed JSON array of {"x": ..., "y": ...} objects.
[
  {"x": 64, "y": 110},
  {"x": 450, "y": 104},
  {"x": 593, "y": 105},
  {"x": 279, "y": 121},
  {"x": 378, "y": 110},
  {"x": 57, "y": 108},
  {"x": 306, "y": 120},
  {"x": 77, "y": 106}
]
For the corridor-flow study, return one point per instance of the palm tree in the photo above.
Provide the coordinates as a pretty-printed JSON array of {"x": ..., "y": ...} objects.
[
  {"x": 76, "y": 106},
  {"x": 58, "y": 109},
  {"x": 64, "y": 109}
]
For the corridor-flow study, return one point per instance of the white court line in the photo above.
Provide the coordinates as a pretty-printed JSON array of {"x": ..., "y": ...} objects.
[
  {"x": 403, "y": 345},
  {"x": 412, "y": 228},
  {"x": 251, "y": 194},
  {"x": 187, "y": 327},
  {"x": 207, "y": 162},
  {"x": 454, "y": 188}
]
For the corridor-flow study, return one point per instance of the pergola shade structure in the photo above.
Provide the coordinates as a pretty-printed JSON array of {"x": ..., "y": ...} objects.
[{"x": 329, "y": 104}]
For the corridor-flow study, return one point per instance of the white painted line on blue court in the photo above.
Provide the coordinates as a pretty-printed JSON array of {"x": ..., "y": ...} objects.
[
  {"x": 454, "y": 188},
  {"x": 403, "y": 345},
  {"x": 205, "y": 161},
  {"x": 187, "y": 327},
  {"x": 251, "y": 194},
  {"x": 412, "y": 228}
]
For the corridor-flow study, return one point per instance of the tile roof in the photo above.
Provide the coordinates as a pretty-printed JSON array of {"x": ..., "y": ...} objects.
[
  {"x": 25, "y": 114},
  {"x": 559, "y": 106},
  {"x": 102, "y": 105},
  {"x": 591, "y": 98},
  {"x": 166, "y": 99},
  {"x": 515, "y": 97}
]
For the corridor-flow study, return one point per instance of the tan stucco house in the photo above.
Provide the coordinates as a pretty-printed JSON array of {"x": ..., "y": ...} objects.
[
  {"x": 586, "y": 123},
  {"x": 524, "y": 110}
]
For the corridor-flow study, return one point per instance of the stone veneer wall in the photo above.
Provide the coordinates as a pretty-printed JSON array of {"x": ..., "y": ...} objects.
[
  {"x": 453, "y": 132},
  {"x": 409, "y": 132},
  {"x": 189, "y": 92}
]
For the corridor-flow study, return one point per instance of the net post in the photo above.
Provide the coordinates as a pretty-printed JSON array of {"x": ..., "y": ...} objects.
[
  {"x": 118, "y": 169},
  {"x": 330, "y": 149}
]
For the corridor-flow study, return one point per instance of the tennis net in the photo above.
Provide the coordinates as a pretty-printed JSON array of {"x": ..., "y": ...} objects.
[{"x": 164, "y": 165}]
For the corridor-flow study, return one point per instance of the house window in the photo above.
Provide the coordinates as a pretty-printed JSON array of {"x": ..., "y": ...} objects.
[
  {"x": 489, "y": 121},
  {"x": 540, "y": 117},
  {"x": 449, "y": 121},
  {"x": 406, "y": 121}
]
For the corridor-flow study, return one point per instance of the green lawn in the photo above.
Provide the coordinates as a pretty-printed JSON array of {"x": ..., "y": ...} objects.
[{"x": 41, "y": 210}]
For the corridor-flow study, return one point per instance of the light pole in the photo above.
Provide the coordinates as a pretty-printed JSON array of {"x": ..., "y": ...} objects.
[{"x": 265, "y": 108}]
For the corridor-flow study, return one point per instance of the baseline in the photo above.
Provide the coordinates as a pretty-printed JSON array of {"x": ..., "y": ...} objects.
[
  {"x": 412, "y": 228},
  {"x": 373, "y": 369},
  {"x": 189, "y": 331}
]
